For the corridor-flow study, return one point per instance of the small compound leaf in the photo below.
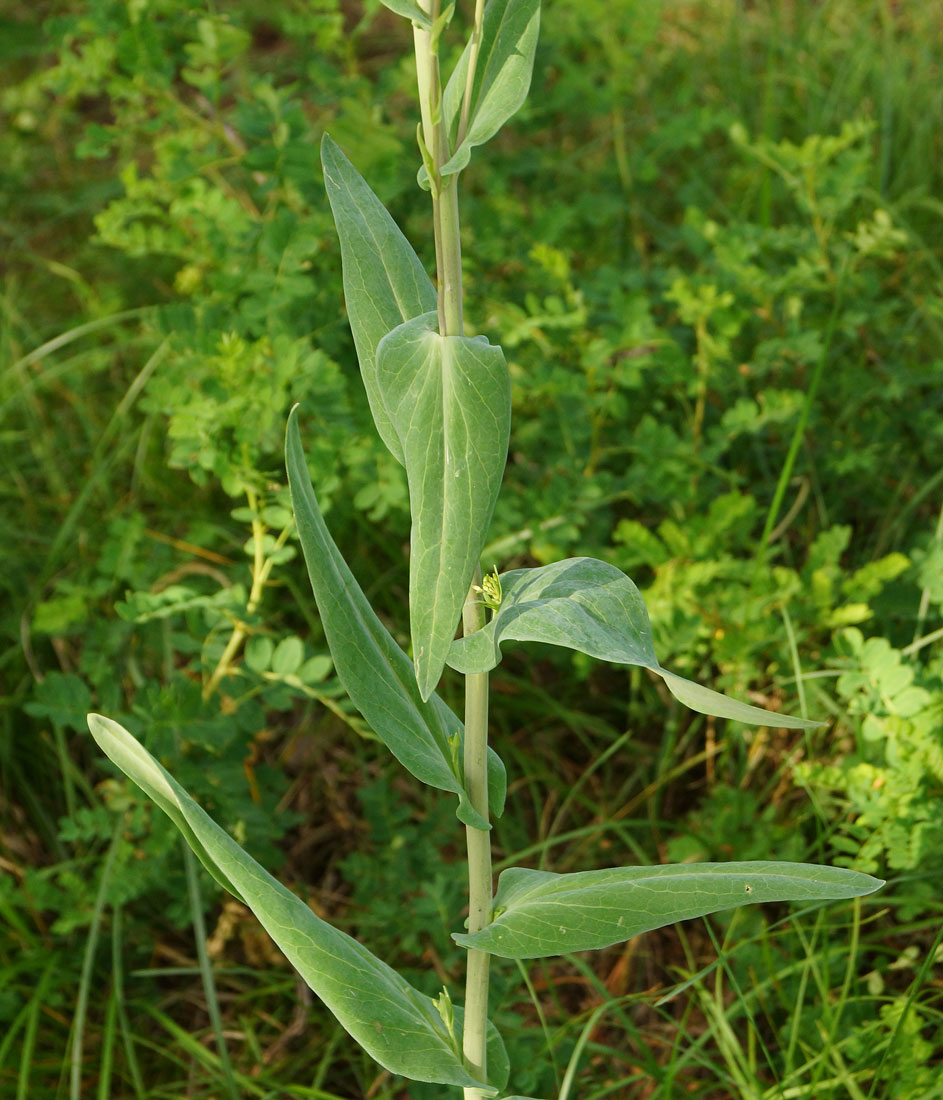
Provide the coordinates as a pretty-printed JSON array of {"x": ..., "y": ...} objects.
[
  {"x": 62, "y": 698},
  {"x": 375, "y": 672},
  {"x": 590, "y": 605},
  {"x": 393, "y": 1022},
  {"x": 542, "y": 913},
  {"x": 410, "y": 10},
  {"x": 502, "y": 76},
  {"x": 449, "y": 400},
  {"x": 384, "y": 280}
]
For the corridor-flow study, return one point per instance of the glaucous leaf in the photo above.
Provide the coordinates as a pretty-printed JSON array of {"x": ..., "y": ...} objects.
[
  {"x": 502, "y": 75},
  {"x": 539, "y": 913},
  {"x": 590, "y": 605},
  {"x": 449, "y": 400},
  {"x": 393, "y": 1022},
  {"x": 384, "y": 280},
  {"x": 410, "y": 10},
  {"x": 424, "y": 735}
]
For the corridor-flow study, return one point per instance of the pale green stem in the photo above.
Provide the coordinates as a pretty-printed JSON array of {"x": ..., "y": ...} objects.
[
  {"x": 478, "y": 842},
  {"x": 449, "y": 278},
  {"x": 448, "y": 245}
]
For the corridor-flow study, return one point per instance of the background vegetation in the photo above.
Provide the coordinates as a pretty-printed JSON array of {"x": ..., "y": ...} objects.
[{"x": 711, "y": 249}]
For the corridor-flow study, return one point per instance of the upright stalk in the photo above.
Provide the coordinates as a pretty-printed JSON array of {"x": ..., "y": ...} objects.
[
  {"x": 478, "y": 843},
  {"x": 448, "y": 250},
  {"x": 448, "y": 247}
]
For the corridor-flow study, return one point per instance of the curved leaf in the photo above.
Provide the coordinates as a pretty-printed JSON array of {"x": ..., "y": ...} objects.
[
  {"x": 449, "y": 399},
  {"x": 410, "y": 10},
  {"x": 502, "y": 75},
  {"x": 590, "y": 605},
  {"x": 539, "y": 913},
  {"x": 393, "y": 1022},
  {"x": 384, "y": 280},
  {"x": 375, "y": 672}
]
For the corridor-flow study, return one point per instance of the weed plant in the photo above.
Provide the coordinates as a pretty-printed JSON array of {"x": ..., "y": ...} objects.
[
  {"x": 441, "y": 403},
  {"x": 584, "y": 205}
]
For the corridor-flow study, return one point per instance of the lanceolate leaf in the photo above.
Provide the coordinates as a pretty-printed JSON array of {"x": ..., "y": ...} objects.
[
  {"x": 384, "y": 280},
  {"x": 376, "y": 673},
  {"x": 395, "y": 1023},
  {"x": 590, "y": 605},
  {"x": 539, "y": 913},
  {"x": 449, "y": 399},
  {"x": 502, "y": 75}
]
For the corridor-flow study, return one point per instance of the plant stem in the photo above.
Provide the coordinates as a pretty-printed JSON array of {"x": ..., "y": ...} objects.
[
  {"x": 448, "y": 248},
  {"x": 448, "y": 245},
  {"x": 261, "y": 571},
  {"x": 450, "y": 272},
  {"x": 478, "y": 842}
]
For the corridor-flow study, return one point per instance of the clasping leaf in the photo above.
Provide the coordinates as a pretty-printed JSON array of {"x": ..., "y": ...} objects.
[
  {"x": 409, "y": 10},
  {"x": 550, "y": 914},
  {"x": 592, "y": 606},
  {"x": 502, "y": 75},
  {"x": 384, "y": 280},
  {"x": 393, "y": 1022},
  {"x": 376, "y": 673},
  {"x": 449, "y": 401}
]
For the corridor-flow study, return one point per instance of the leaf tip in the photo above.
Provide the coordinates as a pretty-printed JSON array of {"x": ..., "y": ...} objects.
[
  {"x": 292, "y": 431},
  {"x": 96, "y": 722},
  {"x": 426, "y": 683}
]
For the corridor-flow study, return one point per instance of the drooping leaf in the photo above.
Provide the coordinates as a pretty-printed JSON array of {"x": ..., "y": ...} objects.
[
  {"x": 705, "y": 701},
  {"x": 410, "y": 10},
  {"x": 384, "y": 280},
  {"x": 590, "y": 605},
  {"x": 393, "y": 1022},
  {"x": 449, "y": 400},
  {"x": 539, "y": 913},
  {"x": 502, "y": 75},
  {"x": 376, "y": 673}
]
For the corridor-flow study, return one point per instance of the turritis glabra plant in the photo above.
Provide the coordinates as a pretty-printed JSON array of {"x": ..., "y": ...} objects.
[{"x": 441, "y": 403}]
